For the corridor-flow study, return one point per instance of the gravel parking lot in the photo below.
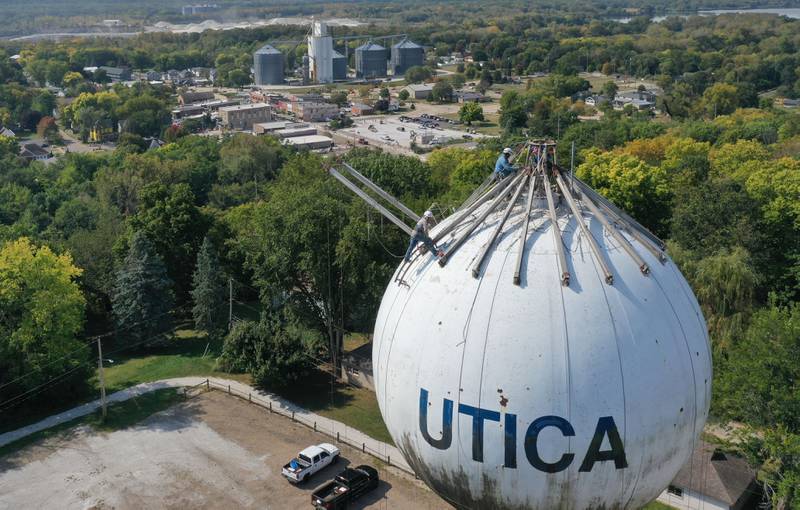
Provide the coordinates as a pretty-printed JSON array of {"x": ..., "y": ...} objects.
[
  {"x": 213, "y": 451},
  {"x": 389, "y": 133}
]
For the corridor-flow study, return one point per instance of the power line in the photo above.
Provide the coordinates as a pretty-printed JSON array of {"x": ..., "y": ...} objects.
[{"x": 89, "y": 341}]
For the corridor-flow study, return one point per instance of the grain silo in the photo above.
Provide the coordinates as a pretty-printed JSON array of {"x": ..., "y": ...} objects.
[
  {"x": 268, "y": 66},
  {"x": 370, "y": 61},
  {"x": 339, "y": 66},
  {"x": 406, "y": 54}
]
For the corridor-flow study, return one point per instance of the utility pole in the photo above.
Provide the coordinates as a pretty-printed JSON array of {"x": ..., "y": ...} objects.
[
  {"x": 230, "y": 303},
  {"x": 102, "y": 378}
]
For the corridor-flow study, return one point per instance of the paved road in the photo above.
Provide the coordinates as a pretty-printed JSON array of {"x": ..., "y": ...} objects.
[
  {"x": 323, "y": 424},
  {"x": 73, "y": 144}
]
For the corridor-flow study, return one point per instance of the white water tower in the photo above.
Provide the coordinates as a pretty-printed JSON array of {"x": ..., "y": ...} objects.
[{"x": 558, "y": 359}]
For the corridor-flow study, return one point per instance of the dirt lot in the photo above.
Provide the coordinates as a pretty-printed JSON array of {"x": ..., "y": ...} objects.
[{"x": 213, "y": 451}]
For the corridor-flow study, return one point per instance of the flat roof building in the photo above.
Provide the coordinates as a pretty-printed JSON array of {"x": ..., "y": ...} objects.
[
  {"x": 295, "y": 132},
  {"x": 310, "y": 142},
  {"x": 242, "y": 117},
  {"x": 315, "y": 112},
  {"x": 271, "y": 127},
  {"x": 419, "y": 90}
]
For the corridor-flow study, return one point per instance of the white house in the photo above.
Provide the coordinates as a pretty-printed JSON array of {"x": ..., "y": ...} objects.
[{"x": 712, "y": 480}]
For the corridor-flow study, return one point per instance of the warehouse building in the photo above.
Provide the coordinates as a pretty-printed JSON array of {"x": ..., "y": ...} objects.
[
  {"x": 263, "y": 128},
  {"x": 310, "y": 142},
  {"x": 419, "y": 90}
]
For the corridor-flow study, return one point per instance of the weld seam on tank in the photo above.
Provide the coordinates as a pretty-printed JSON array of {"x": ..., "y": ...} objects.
[
  {"x": 694, "y": 375},
  {"x": 621, "y": 371}
]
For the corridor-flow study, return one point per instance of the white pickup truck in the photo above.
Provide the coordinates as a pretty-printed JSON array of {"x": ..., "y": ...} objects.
[{"x": 309, "y": 461}]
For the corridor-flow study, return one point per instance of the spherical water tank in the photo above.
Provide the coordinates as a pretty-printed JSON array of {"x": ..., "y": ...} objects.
[
  {"x": 268, "y": 66},
  {"x": 370, "y": 61},
  {"x": 539, "y": 395},
  {"x": 406, "y": 54}
]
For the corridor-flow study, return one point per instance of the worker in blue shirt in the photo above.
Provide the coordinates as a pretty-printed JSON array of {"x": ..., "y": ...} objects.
[
  {"x": 503, "y": 167},
  {"x": 421, "y": 234}
]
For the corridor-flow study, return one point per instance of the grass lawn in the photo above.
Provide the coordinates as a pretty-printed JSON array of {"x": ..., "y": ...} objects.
[
  {"x": 120, "y": 415},
  {"x": 190, "y": 354},
  {"x": 656, "y": 505},
  {"x": 354, "y": 341},
  {"x": 182, "y": 357},
  {"x": 355, "y": 407}
]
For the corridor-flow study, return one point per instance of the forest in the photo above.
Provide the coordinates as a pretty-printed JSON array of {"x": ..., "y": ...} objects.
[{"x": 125, "y": 245}]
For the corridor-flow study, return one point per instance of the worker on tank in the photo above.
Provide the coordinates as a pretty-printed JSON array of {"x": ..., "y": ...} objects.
[
  {"x": 420, "y": 234},
  {"x": 503, "y": 167}
]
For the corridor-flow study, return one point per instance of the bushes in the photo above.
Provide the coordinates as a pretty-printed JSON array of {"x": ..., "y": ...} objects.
[{"x": 274, "y": 355}]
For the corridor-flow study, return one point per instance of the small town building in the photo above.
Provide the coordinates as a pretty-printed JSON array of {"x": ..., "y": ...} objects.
[
  {"x": 419, "y": 90},
  {"x": 466, "y": 96},
  {"x": 361, "y": 109},
  {"x": 191, "y": 110},
  {"x": 116, "y": 74},
  {"x": 4, "y": 131},
  {"x": 315, "y": 111},
  {"x": 243, "y": 117},
  {"x": 294, "y": 132},
  {"x": 34, "y": 152},
  {"x": 596, "y": 100},
  {"x": 357, "y": 367},
  {"x": 193, "y": 96},
  {"x": 713, "y": 480},
  {"x": 310, "y": 142},
  {"x": 263, "y": 128}
]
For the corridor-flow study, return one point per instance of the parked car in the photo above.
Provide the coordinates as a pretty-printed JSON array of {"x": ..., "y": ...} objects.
[
  {"x": 309, "y": 461},
  {"x": 346, "y": 487}
]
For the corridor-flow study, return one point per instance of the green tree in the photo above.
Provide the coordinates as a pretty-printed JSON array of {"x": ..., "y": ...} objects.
[
  {"x": 442, "y": 92},
  {"x": 641, "y": 189},
  {"x": 470, "y": 112},
  {"x": 305, "y": 242},
  {"x": 275, "y": 356},
  {"x": 41, "y": 316},
  {"x": 720, "y": 99},
  {"x": 609, "y": 90},
  {"x": 756, "y": 383},
  {"x": 403, "y": 95},
  {"x": 384, "y": 93},
  {"x": 339, "y": 98},
  {"x": 418, "y": 74},
  {"x": 208, "y": 291},
  {"x": 175, "y": 226},
  {"x": 142, "y": 299}
]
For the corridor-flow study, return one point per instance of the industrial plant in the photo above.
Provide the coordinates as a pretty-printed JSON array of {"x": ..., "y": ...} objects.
[{"x": 325, "y": 64}]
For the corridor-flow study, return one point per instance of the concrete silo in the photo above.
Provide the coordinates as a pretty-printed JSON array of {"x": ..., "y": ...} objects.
[
  {"x": 339, "y": 66},
  {"x": 406, "y": 54},
  {"x": 370, "y": 61},
  {"x": 320, "y": 53},
  {"x": 555, "y": 357},
  {"x": 268, "y": 66}
]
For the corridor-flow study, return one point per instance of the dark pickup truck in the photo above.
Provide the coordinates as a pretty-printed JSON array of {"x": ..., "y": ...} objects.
[{"x": 346, "y": 487}]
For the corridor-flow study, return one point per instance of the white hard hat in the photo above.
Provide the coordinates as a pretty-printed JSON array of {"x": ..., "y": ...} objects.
[
  {"x": 428, "y": 214},
  {"x": 507, "y": 150}
]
